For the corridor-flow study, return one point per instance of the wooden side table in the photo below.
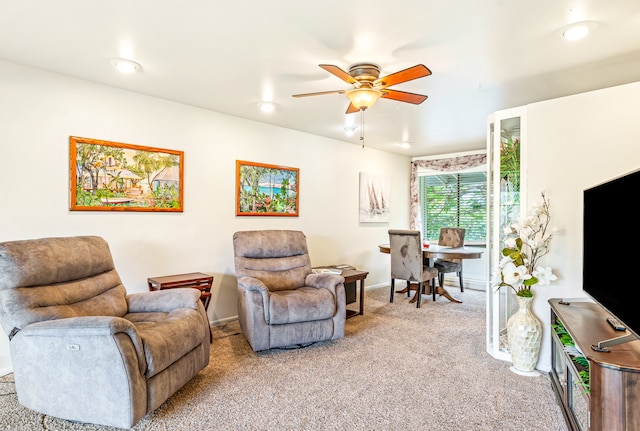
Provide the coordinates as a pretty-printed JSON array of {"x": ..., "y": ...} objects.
[
  {"x": 196, "y": 280},
  {"x": 353, "y": 275}
]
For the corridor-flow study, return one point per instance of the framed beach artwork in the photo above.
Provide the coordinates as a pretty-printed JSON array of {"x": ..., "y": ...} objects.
[
  {"x": 266, "y": 190},
  {"x": 112, "y": 176},
  {"x": 375, "y": 190}
]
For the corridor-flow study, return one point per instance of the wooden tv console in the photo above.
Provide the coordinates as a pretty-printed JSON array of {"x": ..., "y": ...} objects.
[{"x": 614, "y": 377}]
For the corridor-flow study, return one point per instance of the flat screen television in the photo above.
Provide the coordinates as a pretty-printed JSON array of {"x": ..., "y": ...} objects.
[{"x": 611, "y": 233}]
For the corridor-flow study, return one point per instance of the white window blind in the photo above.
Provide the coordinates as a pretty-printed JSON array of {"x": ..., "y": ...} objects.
[{"x": 454, "y": 200}]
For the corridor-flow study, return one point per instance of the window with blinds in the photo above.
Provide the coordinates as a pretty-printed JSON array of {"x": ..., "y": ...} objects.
[{"x": 454, "y": 200}]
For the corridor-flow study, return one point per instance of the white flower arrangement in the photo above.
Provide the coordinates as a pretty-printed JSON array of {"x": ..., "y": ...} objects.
[{"x": 525, "y": 243}]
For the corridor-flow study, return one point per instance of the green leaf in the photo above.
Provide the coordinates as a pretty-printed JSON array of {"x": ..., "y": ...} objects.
[
  {"x": 581, "y": 360},
  {"x": 566, "y": 340},
  {"x": 559, "y": 327}
]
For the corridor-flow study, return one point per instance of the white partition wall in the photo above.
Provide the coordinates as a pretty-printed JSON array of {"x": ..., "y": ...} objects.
[{"x": 506, "y": 139}]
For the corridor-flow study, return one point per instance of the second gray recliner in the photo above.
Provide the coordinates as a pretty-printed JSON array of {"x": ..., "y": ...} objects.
[{"x": 281, "y": 302}]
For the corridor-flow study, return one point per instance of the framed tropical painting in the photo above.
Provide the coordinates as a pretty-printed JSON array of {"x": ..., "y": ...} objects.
[
  {"x": 112, "y": 176},
  {"x": 266, "y": 190}
]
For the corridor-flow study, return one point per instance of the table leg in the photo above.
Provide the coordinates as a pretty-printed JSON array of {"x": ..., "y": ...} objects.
[
  {"x": 407, "y": 289},
  {"x": 439, "y": 289},
  {"x": 361, "y": 297},
  {"x": 355, "y": 279},
  {"x": 428, "y": 289},
  {"x": 443, "y": 292}
]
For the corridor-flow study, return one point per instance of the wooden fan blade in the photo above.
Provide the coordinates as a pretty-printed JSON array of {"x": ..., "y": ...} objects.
[
  {"x": 403, "y": 96},
  {"x": 415, "y": 72},
  {"x": 320, "y": 93},
  {"x": 351, "y": 109},
  {"x": 335, "y": 70}
]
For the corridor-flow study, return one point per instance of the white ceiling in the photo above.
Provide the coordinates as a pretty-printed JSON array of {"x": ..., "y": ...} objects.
[{"x": 227, "y": 56}]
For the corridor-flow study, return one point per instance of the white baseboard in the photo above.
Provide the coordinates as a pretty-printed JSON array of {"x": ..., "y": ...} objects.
[
  {"x": 451, "y": 282},
  {"x": 471, "y": 283},
  {"x": 220, "y": 322}
]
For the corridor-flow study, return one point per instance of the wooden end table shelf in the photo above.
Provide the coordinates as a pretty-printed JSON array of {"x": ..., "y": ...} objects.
[
  {"x": 354, "y": 275},
  {"x": 197, "y": 280}
]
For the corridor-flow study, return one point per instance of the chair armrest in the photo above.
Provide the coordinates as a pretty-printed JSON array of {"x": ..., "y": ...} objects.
[
  {"x": 251, "y": 283},
  {"x": 163, "y": 300},
  {"x": 324, "y": 281},
  {"x": 84, "y": 326},
  {"x": 87, "y": 326}
]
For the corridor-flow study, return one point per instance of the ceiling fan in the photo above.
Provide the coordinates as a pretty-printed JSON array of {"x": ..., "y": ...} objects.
[{"x": 368, "y": 87}]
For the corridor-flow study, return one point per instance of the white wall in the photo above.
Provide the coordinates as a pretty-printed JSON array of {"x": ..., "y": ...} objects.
[
  {"x": 40, "y": 110},
  {"x": 574, "y": 143}
]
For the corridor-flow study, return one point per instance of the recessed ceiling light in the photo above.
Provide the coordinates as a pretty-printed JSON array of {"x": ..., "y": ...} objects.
[
  {"x": 578, "y": 30},
  {"x": 126, "y": 66},
  {"x": 267, "y": 106},
  {"x": 404, "y": 144},
  {"x": 350, "y": 130}
]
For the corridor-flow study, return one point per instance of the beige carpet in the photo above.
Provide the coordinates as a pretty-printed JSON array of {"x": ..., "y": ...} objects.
[{"x": 398, "y": 368}]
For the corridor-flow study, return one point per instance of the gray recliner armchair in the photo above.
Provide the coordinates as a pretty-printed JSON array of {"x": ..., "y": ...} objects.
[
  {"x": 280, "y": 301},
  {"x": 83, "y": 349}
]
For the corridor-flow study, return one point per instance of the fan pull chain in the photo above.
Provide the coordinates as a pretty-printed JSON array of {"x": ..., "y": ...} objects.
[{"x": 362, "y": 127}]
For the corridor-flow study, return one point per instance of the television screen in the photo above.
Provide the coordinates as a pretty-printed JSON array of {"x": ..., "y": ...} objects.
[{"x": 611, "y": 235}]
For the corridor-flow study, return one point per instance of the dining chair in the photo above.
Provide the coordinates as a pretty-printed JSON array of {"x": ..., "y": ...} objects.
[
  {"x": 407, "y": 262},
  {"x": 451, "y": 237}
]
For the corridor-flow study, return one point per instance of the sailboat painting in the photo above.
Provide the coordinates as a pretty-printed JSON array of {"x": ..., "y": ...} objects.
[{"x": 374, "y": 198}]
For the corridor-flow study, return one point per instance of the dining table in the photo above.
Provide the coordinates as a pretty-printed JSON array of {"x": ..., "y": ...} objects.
[{"x": 435, "y": 251}]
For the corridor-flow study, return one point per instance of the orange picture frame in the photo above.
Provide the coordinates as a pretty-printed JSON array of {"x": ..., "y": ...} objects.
[
  {"x": 113, "y": 176},
  {"x": 266, "y": 190}
]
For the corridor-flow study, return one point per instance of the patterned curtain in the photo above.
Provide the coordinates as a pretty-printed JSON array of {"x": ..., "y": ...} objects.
[{"x": 444, "y": 165}]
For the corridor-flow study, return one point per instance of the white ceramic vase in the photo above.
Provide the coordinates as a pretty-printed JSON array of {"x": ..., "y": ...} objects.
[{"x": 524, "y": 334}]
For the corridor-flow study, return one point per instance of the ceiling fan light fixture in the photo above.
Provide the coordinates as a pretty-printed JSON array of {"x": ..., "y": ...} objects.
[{"x": 363, "y": 98}]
